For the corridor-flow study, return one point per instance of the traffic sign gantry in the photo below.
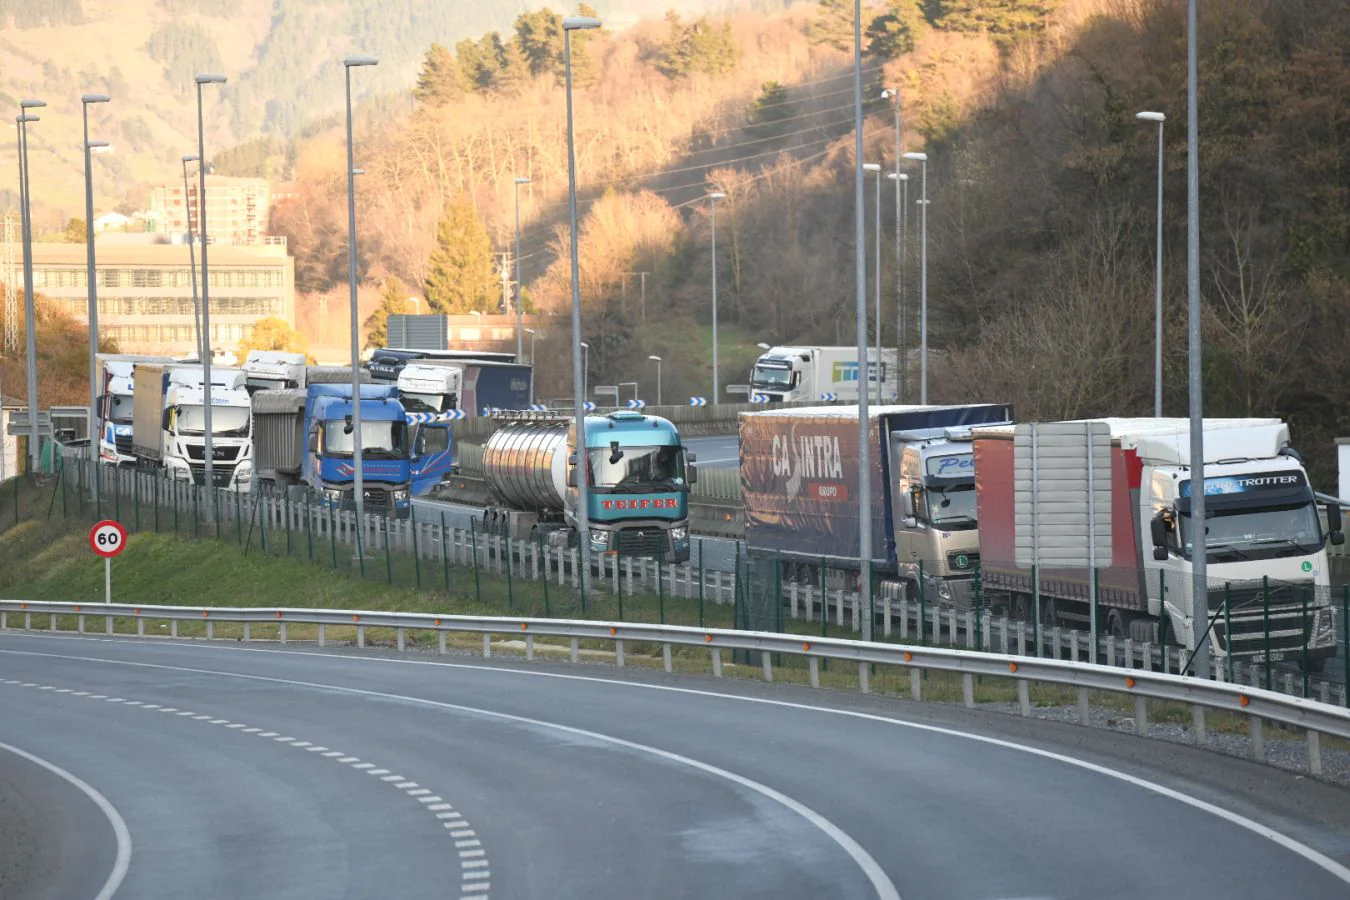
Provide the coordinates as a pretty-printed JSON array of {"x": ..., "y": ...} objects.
[{"x": 107, "y": 539}]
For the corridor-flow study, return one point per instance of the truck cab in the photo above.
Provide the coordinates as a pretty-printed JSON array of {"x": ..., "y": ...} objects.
[
  {"x": 812, "y": 374},
  {"x": 115, "y": 411},
  {"x": 274, "y": 370},
  {"x": 1266, "y": 547},
  {"x": 184, "y": 428},
  {"x": 385, "y": 448},
  {"x": 639, "y": 478},
  {"x": 937, "y": 522}
]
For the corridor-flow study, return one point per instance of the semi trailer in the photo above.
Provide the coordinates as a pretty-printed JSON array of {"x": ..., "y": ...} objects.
[
  {"x": 1268, "y": 578},
  {"x": 638, "y": 481},
  {"x": 115, "y": 403},
  {"x": 797, "y": 374}
]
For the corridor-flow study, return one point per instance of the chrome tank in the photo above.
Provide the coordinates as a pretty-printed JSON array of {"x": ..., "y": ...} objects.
[{"x": 525, "y": 464}]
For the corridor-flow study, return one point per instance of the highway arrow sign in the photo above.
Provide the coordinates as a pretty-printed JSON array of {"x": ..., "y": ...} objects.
[
  {"x": 828, "y": 397},
  {"x": 698, "y": 401},
  {"x": 637, "y": 404},
  {"x": 589, "y": 406},
  {"x": 759, "y": 398}
]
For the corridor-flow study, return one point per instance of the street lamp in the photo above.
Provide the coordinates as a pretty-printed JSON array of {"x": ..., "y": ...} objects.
[
  {"x": 208, "y": 453},
  {"x": 901, "y": 252},
  {"x": 586, "y": 369},
  {"x": 533, "y": 335},
  {"x": 29, "y": 308},
  {"x": 922, "y": 158},
  {"x": 570, "y": 24},
  {"x": 358, "y": 463},
  {"x": 85, "y": 100},
  {"x": 713, "y": 197},
  {"x": 763, "y": 346},
  {"x": 657, "y": 360},
  {"x": 864, "y": 498},
  {"x": 1157, "y": 299},
  {"x": 875, "y": 169},
  {"x": 520, "y": 315},
  {"x": 192, "y": 254}
]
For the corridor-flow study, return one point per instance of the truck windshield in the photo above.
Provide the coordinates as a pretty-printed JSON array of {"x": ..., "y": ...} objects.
[
  {"x": 1257, "y": 533},
  {"x": 227, "y": 421},
  {"x": 952, "y": 508},
  {"x": 639, "y": 469},
  {"x": 423, "y": 402},
  {"x": 379, "y": 440},
  {"x": 119, "y": 408},
  {"x": 771, "y": 376}
]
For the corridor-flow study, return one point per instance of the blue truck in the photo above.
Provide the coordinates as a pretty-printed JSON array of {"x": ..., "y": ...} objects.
[
  {"x": 638, "y": 487},
  {"x": 303, "y": 442}
]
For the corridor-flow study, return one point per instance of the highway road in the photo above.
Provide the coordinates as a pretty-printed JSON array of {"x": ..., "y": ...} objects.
[{"x": 252, "y": 772}]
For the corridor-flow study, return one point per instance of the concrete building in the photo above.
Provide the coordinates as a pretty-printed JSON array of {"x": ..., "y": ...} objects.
[
  {"x": 237, "y": 209},
  {"x": 145, "y": 290}
]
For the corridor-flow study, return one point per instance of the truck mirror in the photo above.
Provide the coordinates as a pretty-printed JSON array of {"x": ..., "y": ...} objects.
[
  {"x": 1334, "y": 520},
  {"x": 1160, "y": 554},
  {"x": 313, "y": 442},
  {"x": 691, "y": 474},
  {"x": 1158, "y": 531},
  {"x": 167, "y": 422},
  {"x": 571, "y": 459},
  {"x": 690, "y": 457}
]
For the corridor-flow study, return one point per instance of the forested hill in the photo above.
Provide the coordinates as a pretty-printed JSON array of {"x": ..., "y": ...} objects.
[{"x": 281, "y": 57}]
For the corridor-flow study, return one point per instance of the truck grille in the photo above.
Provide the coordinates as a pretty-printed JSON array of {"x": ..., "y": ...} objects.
[
  {"x": 220, "y": 474},
  {"x": 123, "y": 444},
  {"x": 1288, "y": 628},
  {"x": 1251, "y": 595},
  {"x": 375, "y": 501},
  {"x": 648, "y": 542},
  {"x": 218, "y": 454},
  {"x": 963, "y": 560}
]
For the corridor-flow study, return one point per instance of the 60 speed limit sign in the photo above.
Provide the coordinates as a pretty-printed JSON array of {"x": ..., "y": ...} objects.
[{"x": 107, "y": 538}]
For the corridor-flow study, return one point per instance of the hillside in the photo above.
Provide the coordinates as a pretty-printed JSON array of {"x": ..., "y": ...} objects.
[{"x": 281, "y": 57}]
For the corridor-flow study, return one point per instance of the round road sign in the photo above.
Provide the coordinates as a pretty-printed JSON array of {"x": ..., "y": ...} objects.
[{"x": 107, "y": 538}]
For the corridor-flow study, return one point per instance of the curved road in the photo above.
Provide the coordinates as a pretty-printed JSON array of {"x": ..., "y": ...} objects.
[{"x": 248, "y": 772}]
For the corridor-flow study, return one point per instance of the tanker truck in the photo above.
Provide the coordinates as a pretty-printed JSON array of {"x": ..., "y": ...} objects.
[{"x": 639, "y": 478}]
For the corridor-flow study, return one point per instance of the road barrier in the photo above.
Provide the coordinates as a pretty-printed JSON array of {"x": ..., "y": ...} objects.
[{"x": 1201, "y": 696}]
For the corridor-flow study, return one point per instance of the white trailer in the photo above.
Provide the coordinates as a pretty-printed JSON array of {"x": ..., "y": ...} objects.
[{"x": 815, "y": 374}]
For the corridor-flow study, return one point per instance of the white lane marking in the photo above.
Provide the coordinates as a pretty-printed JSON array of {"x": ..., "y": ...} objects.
[
  {"x": 438, "y": 807},
  {"x": 409, "y": 787},
  {"x": 1308, "y": 853},
  {"x": 122, "y": 834},
  {"x": 882, "y": 884}
]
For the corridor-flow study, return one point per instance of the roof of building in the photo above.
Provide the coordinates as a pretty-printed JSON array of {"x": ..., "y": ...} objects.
[{"x": 118, "y": 253}]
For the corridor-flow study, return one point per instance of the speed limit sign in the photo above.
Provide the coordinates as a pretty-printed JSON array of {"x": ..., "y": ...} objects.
[{"x": 107, "y": 538}]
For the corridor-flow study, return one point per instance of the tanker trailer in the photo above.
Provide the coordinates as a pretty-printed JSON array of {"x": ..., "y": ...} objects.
[{"x": 639, "y": 478}]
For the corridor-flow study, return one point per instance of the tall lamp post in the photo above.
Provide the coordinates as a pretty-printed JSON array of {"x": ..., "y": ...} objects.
[
  {"x": 657, "y": 360},
  {"x": 1158, "y": 274},
  {"x": 585, "y": 370},
  {"x": 192, "y": 256},
  {"x": 533, "y": 336},
  {"x": 922, "y": 158},
  {"x": 520, "y": 283},
  {"x": 85, "y": 100},
  {"x": 571, "y": 24},
  {"x": 29, "y": 310},
  {"x": 864, "y": 499},
  {"x": 713, "y": 197},
  {"x": 875, "y": 169},
  {"x": 901, "y": 252},
  {"x": 358, "y": 484},
  {"x": 209, "y": 453}
]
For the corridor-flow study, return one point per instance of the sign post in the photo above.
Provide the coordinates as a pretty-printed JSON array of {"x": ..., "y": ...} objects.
[{"x": 107, "y": 539}]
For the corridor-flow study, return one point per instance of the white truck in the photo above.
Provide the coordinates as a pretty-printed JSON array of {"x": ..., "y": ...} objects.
[
  {"x": 430, "y": 388},
  {"x": 113, "y": 418},
  {"x": 816, "y": 374},
  {"x": 169, "y": 424},
  {"x": 274, "y": 370}
]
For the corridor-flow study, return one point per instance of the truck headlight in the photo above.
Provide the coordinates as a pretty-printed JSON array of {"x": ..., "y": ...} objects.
[
  {"x": 399, "y": 495},
  {"x": 244, "y": 472},
  {"x": 1326, "y": 622},
  {"x": 944, "y": 591},
  {"x": 599, "y": 538},
  {"x": 679, "y": 533},
  {"x": 332, "y": 495}
]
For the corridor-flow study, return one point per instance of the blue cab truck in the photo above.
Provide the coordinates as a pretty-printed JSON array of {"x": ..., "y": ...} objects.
[
  {"x": 639, "y": 478},
  {"x": 302, "y": 443}
]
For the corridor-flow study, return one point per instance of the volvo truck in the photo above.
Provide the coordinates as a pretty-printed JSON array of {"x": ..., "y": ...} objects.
[
  {"x": 638, "y": 478},
  {"x": 169, "y": 424},
  {"x": 816, "y": 374},
  {"x": 1264, "y": 543},
  {"x": 799, "y": 480}
]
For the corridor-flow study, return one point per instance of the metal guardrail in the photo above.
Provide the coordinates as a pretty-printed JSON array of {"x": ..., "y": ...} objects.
[{"x": 1201, "y": 695}]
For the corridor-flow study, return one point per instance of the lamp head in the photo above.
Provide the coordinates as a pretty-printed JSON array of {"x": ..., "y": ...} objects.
[
  {"x": 31, "y": 104},
  {"x": 522, "y": 181},
  {"x": 1151, "y": 117},
  {"x": 210, "y": 79},
  {"x": 717, "y": 195},
  {"x": 579, "y": 23},
  {"x": 586, "y": 345},
  {"x": 99, "y": 145},
  {"x": 657, "y": 358},
  {"x": 356, "y": 60},
  {"x": 871, "y": 167},
  {"x": 94, "y": 98},
  {"x": 191, "y": 157},
  {"x": 917, "y": 157},
  {"x": 25, "y": 119},
  {"x": 888, "y": 93},
  {"x": 897, "y": 176}
]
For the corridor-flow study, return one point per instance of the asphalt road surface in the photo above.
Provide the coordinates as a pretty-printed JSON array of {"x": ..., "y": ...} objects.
[
  {"x": 247, "y": 772},
  {"x": 715, "y": 452}
]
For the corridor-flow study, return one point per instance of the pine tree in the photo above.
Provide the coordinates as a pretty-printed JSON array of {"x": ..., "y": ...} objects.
[
  {"x": 440, "y": 80},
  {"x": 895, "y": 32},
  {"x": 393, "y": 302},
  {"x": 539, "y": 36},
  {"x": 460, "y": 268},
  {"x": 1005, "y": 19},
  {"x": 833, "y": 25},
  {"x": 771, "y": 107}
]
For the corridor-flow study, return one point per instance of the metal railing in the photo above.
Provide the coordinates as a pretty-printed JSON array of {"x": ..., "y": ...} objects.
[{"x": 1258, "y": 706}]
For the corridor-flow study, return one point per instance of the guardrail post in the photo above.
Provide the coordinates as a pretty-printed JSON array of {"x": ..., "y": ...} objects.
[
  {"x": 281, "y": 634},
  {"x": 323, "y": 636},
  {"x": 766, "y": 663},
  {"x": 27, "y": 621},
  {"x": 487, "y": 645},
  {"x": 665, "y": 657},
  {"x": 700, "y": 588},
  {"x": 1023, "y": 697},
  {"x": 140, "y": 627},
  {"x": 815, "y": 671},
  {"x": 1141, "y": 716},
  {"x": 440, "y": 642},
  {"x": 915, "y": 685},
  {"x": 717, "y": 662},
  {"x": 968, "y": 689},
  {"x": 1198, "y": 725},
  {"x": 52, "y": 623},
  {"x": 575, "y": 650},
  {"x": 399, "y": 634},
  {"x": 248, "y": 633},
  {"x": 1084, "y": 711},
  {"x": 360, "y": 635},
  {"x": 864, "y": 678},
  {"x": 1256, "y": 729},
  {"x": 1314, "y": 753},
  {"x": 210, "y": 630},
  {"x": 173, "y": 628},
  {"x": 108, "y": 625},
  {"x": 618, "y": 653},
  {"x": 529, "y": 645}
]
